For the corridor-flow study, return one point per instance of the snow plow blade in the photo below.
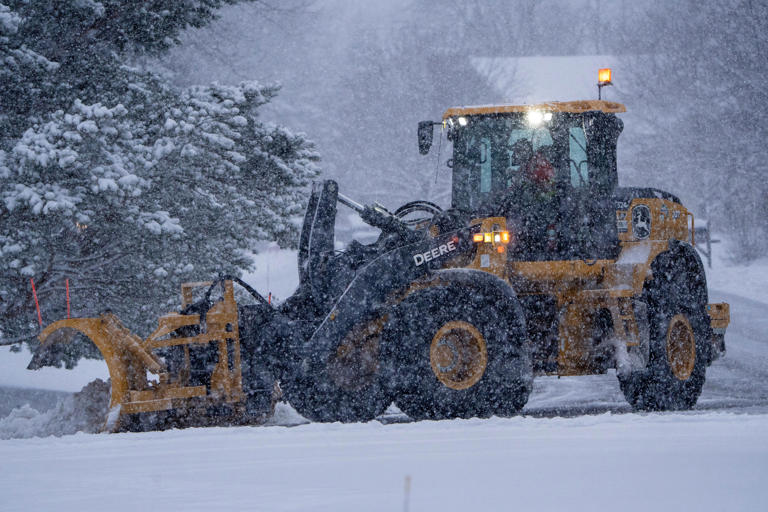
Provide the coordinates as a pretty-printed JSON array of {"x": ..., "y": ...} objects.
[
  {"x": 126, "y": 357},
  {"x": 174, "y": 355}
]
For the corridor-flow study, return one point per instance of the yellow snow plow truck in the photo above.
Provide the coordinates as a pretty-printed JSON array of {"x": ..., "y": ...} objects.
[{"x": 543, "y": 265}]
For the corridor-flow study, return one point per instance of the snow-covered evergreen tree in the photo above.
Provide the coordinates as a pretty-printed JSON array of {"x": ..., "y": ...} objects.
[
  {"x": 133, "y": 186},
  {"x": 24, "y": 75}
]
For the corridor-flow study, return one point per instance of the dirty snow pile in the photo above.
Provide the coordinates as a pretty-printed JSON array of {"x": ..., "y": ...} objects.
[
  {"x": 83, "y": 411},
  {"x": 86, "y": 411}
]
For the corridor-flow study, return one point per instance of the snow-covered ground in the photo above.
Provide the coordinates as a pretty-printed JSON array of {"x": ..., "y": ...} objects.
[
  {"x": 712, "y": 458},
  {"x": 749, "y": 281},
  {"x": 714, "y": 461}
]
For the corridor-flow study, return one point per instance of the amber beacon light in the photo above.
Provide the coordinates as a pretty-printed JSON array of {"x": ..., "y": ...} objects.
[{"x": 603, "y": 79}]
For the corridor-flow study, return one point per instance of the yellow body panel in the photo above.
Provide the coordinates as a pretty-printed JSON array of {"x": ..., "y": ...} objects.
[
  {"x": 669, "y": 220},
  {"x": 574, "y": 333},
  {"x": 719, "y": 314},
  {"x": 582, "y": 288},
  {"x": 488, "y": 256}
]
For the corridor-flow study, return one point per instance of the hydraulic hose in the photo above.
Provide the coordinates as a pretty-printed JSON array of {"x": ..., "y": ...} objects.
[{"x": 248, "y": 288}]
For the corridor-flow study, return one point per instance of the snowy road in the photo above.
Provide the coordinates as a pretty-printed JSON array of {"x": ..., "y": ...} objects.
[
  {"x": 741, "y": 378},
  {"x": 703, "y": 462}
]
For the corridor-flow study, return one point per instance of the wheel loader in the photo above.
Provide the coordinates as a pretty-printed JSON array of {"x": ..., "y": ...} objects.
[{"x": 543, "y": 265}]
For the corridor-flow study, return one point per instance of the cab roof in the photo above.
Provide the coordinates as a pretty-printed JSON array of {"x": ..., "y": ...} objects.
[{"x": 609, "y": 107}]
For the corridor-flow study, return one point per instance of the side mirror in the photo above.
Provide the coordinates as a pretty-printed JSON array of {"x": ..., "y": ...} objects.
[{"x": 425, "y": 136}]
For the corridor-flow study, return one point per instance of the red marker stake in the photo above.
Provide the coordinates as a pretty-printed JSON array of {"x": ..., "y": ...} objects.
[
  {"x": 67, "y": 299},
  {"x": 37, "y": 305}
]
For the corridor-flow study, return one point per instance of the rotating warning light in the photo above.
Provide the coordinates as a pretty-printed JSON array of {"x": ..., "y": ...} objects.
[
  {"x": 604, "y": 76},
  {"x": 478, "y": 237},
  {"x": 603, "y": 79}
]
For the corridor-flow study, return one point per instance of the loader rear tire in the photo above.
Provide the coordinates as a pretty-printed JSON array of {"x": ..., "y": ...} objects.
[
  {"x": 679, "y": 339},
  {"x": 456, "y": 355}
]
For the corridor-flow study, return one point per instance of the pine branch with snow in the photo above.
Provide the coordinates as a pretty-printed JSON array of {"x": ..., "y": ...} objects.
[{"x": 123, "y": 184}]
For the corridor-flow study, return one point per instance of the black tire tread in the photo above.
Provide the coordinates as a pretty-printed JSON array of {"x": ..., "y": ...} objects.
[
  {"x": 504, "y": 388},
  {"x": 677, "y": 287}
]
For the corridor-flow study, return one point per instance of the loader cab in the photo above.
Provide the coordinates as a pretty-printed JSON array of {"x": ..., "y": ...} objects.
[{"x": 549, "y": 169}]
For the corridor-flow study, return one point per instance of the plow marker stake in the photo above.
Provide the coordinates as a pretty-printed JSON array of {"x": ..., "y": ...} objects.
[{"x": 37, "y": 305}]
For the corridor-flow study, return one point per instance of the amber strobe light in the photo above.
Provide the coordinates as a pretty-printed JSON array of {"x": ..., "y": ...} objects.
[{"x": 603, "y": 79}]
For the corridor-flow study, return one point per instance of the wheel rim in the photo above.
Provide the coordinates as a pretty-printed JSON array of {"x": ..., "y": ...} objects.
[
  {"x": 458, "y": 355},
  {"x": 355, "y": 362},
  {"x": 681, "y": 347}
]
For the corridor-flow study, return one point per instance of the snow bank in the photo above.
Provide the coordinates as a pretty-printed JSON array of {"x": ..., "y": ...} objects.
[
  {"x": 285, "y": 416},
  {"x": 81, "y": 412},
  {"x": 86, "y": 412},
  {"x": 746, "y": 280}
]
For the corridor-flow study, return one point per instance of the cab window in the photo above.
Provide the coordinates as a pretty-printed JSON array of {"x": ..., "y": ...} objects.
[{"x": 577, "y": 154}]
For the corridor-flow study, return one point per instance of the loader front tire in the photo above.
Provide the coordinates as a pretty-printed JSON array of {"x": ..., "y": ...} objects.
[
  {"x": 455, "y": 354},
  {"x": 346, "y": 383},
  {"x": 679, "y": 339}
]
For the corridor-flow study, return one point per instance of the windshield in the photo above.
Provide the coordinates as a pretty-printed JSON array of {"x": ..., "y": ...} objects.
[{"x": 496, "y": 153}]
